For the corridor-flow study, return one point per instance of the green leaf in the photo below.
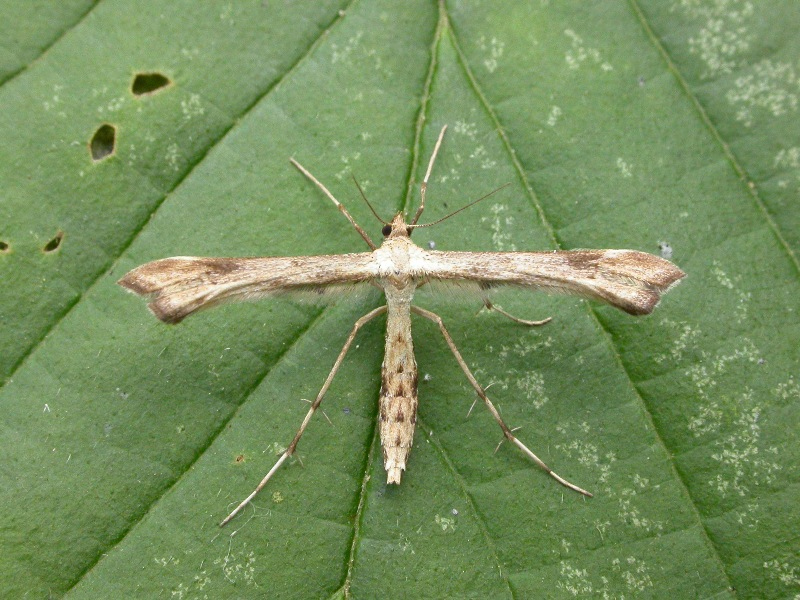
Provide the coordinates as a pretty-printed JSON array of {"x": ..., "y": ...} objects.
[{"x": 648, "y": 125}]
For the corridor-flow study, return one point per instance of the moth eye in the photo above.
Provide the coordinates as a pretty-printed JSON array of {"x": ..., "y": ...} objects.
[{"x": 387, "y": 229}]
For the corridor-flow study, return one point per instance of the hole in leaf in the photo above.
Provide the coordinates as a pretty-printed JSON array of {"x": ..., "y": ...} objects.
[
  {"x": 149, "y": 83},
  {"x": 55, "y": 243},
  {"x": 239, "y": 459},
  {"x": 4, "y": 247},
  {"x": 103, "y": 142}
]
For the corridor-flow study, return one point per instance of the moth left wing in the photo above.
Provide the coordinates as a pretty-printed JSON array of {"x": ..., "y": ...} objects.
[
  {"x": 627, "y": 279},
  {"x": 182, "y": 285}
]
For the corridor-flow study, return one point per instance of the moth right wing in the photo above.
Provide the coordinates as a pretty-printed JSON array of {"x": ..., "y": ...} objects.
[
  {"x": 182, "y": 285},
  {"x": 630, "y": 280}
]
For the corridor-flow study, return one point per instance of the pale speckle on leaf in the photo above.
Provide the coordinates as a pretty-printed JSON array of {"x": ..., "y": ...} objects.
[
  {"x": 748, "y": 515},
  {"x": 347, "y": 160},
  {"x": 501, "y": 237},
  {"x": 532, "y": 385},
  {"x": 494, "y": 50},
  {"x": 526, "y": 346},
  {"x": 787, "y": 161},
  {"x": 446, "y": 523},
  {"x": 192, "y": 107},
  {"x": 684, "y": 340},
  {"x": 166, "y": 561},
  {"x": 579, "y": 54},
  {"x": 634, "y": 573},
  {"x": 627, "y": 577},
  {"x": 721, "y": 32},
  {"x": 624, "y": 168},
  {"x": 275, "y": 448},
  {"x": 468, "y": 129},
  {"x": 113, "y": 105},
  {"x": 771, "y": 87},
  {"x": 55, "y": 99},
  {"x": 785, "y": 572},
  {"x": 742, "y": 296},
  {"x": 172, "y": 156},
  {"x": 482, "y": 156},
  {"x": 632, "y": 515},
  {"x": 344, "y": 53},
  {"x": 787, "y": 390},
  {"x": 585, "y": 452},
  {"x": 574, "y": 581},
  {"x": 226, "y": 14},
  {"x": 788, "y": 158},
  {"x": 238, "y": 566},
  {"x": 552, "y": 118},
  {"x": 705, "y": 374},
  {"x": 405, "y": 545},
  {"x": 742, "y": 458},
  {"x": 602, "y": 526}
]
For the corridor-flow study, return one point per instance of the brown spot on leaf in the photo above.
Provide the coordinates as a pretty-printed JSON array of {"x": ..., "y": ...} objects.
[
  {"x": 145, "y": 84},
  {"x": 54, "y": 244},
  {"x": 103, "y": 142}
]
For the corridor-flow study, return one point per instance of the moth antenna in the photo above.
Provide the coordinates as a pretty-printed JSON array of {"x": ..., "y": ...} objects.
[
  {"x": 455, "y": 212},
  {"x": 364, "y": 196}
]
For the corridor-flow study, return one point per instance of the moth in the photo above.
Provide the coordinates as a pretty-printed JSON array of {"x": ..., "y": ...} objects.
[{"x": 181, "y": 286}]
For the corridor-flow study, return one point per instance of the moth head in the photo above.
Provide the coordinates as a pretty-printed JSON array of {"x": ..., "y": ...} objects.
[{"x": 397, "y": 228}]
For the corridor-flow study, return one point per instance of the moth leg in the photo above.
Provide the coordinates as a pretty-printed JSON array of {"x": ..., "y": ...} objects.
[
  {"x": 314, "y": 406},
  {"x": 507, "y": 432},
  {"x": 488, "y": 304},
  {"x": 338, "y": 204},
  {"x": 424, "y": 185}
]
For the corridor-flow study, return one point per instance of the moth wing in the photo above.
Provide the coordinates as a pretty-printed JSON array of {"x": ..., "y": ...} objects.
[
  {"x": 182, "y": 285},
  {"x": 630, "y": 280}
]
